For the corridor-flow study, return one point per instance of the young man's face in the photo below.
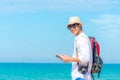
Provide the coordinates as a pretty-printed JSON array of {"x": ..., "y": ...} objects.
[{"x": 74, "y": 29}]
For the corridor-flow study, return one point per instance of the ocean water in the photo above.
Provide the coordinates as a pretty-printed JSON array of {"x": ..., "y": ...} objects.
[{"x": 50, "y": 71}]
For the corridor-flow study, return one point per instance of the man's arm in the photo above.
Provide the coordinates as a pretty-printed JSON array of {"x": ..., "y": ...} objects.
[{"x": 66, "y": 58}]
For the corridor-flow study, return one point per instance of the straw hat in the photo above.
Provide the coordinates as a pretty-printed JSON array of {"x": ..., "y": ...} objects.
[{"x": 74, "y": 20}]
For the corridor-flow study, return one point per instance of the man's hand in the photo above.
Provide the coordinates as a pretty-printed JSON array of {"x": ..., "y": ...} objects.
[
  {"x": 66, "y": 58},
  {"x": 59, "y": 56}
]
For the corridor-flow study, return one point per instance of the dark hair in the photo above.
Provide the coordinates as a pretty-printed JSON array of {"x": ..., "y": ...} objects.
[{"x": 79, "y": 25}]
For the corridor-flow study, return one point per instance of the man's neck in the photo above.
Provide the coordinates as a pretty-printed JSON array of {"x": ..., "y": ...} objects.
[{"x": 79, "y": 33}]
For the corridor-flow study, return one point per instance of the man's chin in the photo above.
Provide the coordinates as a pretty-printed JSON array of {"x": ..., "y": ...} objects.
[{"x": 74, "y": 33}]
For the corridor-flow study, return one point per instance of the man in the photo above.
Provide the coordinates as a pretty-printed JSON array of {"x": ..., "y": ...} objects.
[{"x": 82, "y": 54}]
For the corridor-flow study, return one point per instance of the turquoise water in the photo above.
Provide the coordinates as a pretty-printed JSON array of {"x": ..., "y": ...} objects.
[{"x": 50, "y": 71}]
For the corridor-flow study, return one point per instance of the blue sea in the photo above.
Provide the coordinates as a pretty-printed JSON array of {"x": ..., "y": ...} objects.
[{"x": 50, "y": 71}]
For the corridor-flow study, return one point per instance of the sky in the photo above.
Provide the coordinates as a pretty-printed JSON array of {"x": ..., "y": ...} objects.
[{"x": 35, "y": 30}]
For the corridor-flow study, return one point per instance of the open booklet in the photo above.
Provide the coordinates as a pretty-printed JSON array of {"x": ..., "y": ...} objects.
[{"x": 59, "y": 56}]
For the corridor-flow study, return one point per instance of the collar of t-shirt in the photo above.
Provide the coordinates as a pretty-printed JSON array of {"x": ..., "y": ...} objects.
[{"x": 81, "y": 34}]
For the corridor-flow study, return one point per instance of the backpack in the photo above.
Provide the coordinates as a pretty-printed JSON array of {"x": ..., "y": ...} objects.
[{"x": 97, "y": 61}]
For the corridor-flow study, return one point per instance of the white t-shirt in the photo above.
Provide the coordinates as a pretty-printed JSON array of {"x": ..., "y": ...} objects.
[{"x": 83, "y": 45}]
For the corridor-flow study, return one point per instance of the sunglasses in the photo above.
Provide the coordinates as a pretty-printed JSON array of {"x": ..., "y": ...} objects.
[{"x": 72, "y": 26}]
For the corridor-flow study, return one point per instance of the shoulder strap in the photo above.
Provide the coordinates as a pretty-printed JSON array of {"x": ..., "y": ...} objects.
[{"x": 76, "y": 53}]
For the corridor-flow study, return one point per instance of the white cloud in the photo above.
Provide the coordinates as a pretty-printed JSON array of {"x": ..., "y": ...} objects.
[
  {"x": 108, "y": 25},
  {"x": 13, "y": 6}
]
